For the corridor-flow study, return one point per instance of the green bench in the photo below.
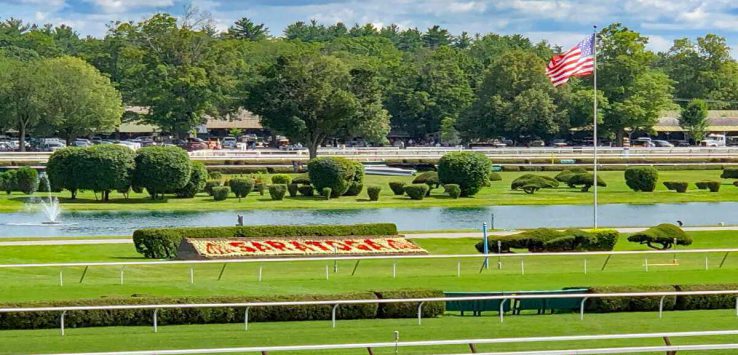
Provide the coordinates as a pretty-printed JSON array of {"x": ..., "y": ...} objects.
[{"x": 540, "y": 305}]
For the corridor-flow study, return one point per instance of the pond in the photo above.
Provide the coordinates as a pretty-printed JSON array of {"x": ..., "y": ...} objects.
[{"x": 28, "y": 224}]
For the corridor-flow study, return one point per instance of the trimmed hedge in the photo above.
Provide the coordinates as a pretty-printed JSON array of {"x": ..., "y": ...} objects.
[
  {"x": 336, "y": 173},
  {"x": 705, "y": 301},
  {"x": 452, "y": 190},
  {"x": 713, "y": 186},
  {"x": 281, "y": 179},
  {"x": 241, "y": 187},
  {"x": 397, "y": 187},
  {"x": 641, "y": 178},
  {"x": 306, "y": 190},
  {"x": 407, "y": 310},
  {"x": 161, "y": 170},
  {"x": 540, "y": 181},
  {"x": 661, "y": 237},
  {"x": 210, "y": 184},
  {"x": 277, "y": 191},
  {"x": 585, "y": 180},
  {"x": 220, "y": 193},
  {"x": 302, "y": 179},
  {"x": 198, "y": 178},
  {"x": 373, "y": 192},
  {"x": 26, "y": 180},
  {"x": 729, "y": 172},
  {"x": 630, "y": 304},
  {"x": 326, "y": 192},
  {"x": 470, "y": 170},
  {"x": 417, "y": 191},
  {"x": 551, "y": 240},
  {"x": 292, "y": 189},
  {"x": 162, "y": 243},
  {"x": 678, "y": 186}
]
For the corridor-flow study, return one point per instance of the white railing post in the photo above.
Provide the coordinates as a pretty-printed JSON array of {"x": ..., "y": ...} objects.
[
  {"x": 581, "y": 308},
  {"x": 502, "y": 310},
  {"x": 192, "y": 275},
  {"x": 64, "y": 313},
  {"x": 458, "y": 268},
  {"x": 333, "y": 315},
  {"x": 661, "y": 307},
  {"x": 156, "y": 320},
  {"x": 246, "y": 319},
  {"x": 420, "y": 313},
  {"x": 61, "y": 277}
]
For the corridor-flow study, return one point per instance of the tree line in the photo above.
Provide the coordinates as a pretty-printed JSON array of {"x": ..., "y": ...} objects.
[{"x": 314, "y": 82}]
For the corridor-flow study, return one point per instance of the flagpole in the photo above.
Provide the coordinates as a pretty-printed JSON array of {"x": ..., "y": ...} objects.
[{"x": 594, "y": 135}]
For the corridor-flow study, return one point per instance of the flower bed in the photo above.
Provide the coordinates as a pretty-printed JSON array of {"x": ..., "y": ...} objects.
[{"x": 281, "y": 247}]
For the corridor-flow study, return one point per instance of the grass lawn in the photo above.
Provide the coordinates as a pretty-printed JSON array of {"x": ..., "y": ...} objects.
[
  {"x": 381, "y": 330},
  {"x": 498, "y": 194},
  {"x": 309, "y": 277}
]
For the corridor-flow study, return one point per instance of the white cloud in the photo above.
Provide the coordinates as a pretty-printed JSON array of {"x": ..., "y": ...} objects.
[{"x": 121, "y": 6}]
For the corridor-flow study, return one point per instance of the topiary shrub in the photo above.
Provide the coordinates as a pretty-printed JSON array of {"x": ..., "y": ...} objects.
[
  {"x": 534, "y": 181},
  {"x": 373, "y": 192},
  {"x": 336, "y": 173},
  {"x": 7, "y": 181},
  {"x": 241, "y": 187},
  {"x": 397, "y": 187},
  {"x": 292, "y": 189},
  {"x": 161, "y": 169},
  {"x": 531, "y": 188},
  {"x": 641, "y": 178},
  {"x": 61, "y": 167},
  {"x": 326, "y": 192},
  {"x": 277, "y": 191},
  {"x": 452, "y": 190},
  {"x": 585, "y": 180},
  {"x": 678, "y": 186},
  {"x": 26, "y": 180},
  {"x": 354, "y": 189},
  {"x": 198, "y": 178},
  {"x": 551, "y": 240},
  {"x": 210, "y": 184},
  {"x": 429, "y": 178},
  {"x": 306, "y": 190},
  {"x": 713, "y": 186},
  {"x": 261, "y": 188},
  {"x": 302, "y": 179},
  {"x": 282, "y": 179},
  {"x": 494, "y": 176},
  {"x": 220, "y": 193},
  {"x": 215, "y": 175},
  {"x": 729, "y": 172},
  {"x": 43, "y": 183},
  {"x": 416, "y": 191},
  {"x": 661, "y": 237},
  {"x": 467, "y": 169}
]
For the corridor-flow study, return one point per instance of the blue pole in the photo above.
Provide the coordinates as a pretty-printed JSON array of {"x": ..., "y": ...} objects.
[{"x": 486, "y": 245}]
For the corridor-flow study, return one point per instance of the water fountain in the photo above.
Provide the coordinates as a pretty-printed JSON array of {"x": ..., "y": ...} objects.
[{"x": 50, "y": 205}]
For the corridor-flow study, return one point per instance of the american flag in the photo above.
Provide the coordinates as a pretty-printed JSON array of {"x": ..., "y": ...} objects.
[{"x": 578, "y": 61}]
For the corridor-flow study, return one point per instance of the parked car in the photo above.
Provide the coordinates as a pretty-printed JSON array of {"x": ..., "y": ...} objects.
[
  {"x": 662, "y": 143},
  {"x": 192, "y": 144},
  {"x": 129, "y": 144},
  {"x": 713, "y": 140},
  {"x": 144, "y": 141},
  {"x": 230, "y": 143},
  {"x": 643, "y": 142},
  {"x": 82, "y": 142}
]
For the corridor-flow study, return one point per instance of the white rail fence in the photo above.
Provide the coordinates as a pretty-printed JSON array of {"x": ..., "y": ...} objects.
[
  {"x": 586, "y": 267},
  {"x": 336, "y": 303},
  {"x": 471, "y": 343}
]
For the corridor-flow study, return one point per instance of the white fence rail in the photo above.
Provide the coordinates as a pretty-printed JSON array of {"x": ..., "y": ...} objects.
[
  {"x": 472, "y": 343},
  {"x": 394, "y": 258},
  {"x": 336, "y": 303}
]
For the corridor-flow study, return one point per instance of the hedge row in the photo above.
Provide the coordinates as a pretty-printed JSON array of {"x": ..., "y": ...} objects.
[
  {"x": 133, "y": 317},
  {"x": 162, "y": 243},
  {"x": 551, "y": 240},
  {"x": 649, "y": 304}
]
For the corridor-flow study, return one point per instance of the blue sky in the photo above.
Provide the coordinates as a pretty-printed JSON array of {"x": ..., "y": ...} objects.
[{"x": 560, "y": 22}]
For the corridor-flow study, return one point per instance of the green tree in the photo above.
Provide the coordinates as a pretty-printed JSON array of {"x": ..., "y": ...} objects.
[
  {"x": 22, "y": 101},
  {"x": 515, "y": 100},
  {"x": 311, "y": 97},
  {"x": 693, "y": 118},
  {"x": 162, "y": 170},
  {"x": 104, "y": 168},
  {"x": 246, "y": 29},
  {"x": 637, "y": 94},
  {"x": 437, "y": 36},
  {"x": 78, "y": 100}
]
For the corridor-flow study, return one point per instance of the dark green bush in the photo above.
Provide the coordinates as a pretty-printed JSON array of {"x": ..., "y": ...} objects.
[
  {"x": 61, "y": 167},
  {"x": 137, "y": 317},
  {"x": 260, "y": 187},
  {"x": 661, "y": 237},
  {"x": 306, "y": 190},
  {"x": 336, "y": 173},
  {"x": 105, "y": 168},
  {"x": 162, "y": 243},
  {"x": 326, "y": 192},
  {"x": 373, "y": 192},
  {"x": 729, "y": 172},
  {"x": 539, "y": 181},
  {"x": 531, "y": 188},
  {"x": 409, "y": 310},
  {"x": 161, "y": 169},
  {"x": 678, "y": 186},
  {"x": 281, "y": 179},
  {"x": 354, "y": 189},
  {"x": 429, "y": 178},
  {"x": 397, "y": 187},
  {"x": 493, "y": 176},
  {"x": 210, "y": 184},
  {"x": 585, "y": 180},
  {"x": 467, "y": 169},
  {"x": 693, "y": 302},
  {"x": 43, "y": 183},
  {"x": 713, "y": 186},
  {"x": 630, "y": 304},
  {"x": 198, "y": 177},
  {"x": 301, "y": 179},
  {"x": 220, "y": 193},
  {"x": 26, "y": 180},
  {"x": 241, "y": 187},
  {"x": 215, "y": 175},
  {"x": 453, "y": 190},
  {"x": 551, "y": 240},
  {"x": 277, "y": 191},
  {"x": 292, "y": 189},
  {"x": 416, "y": 191},
  {"x": 564, "y": 176},
  {"x": 641, "y": 178},
  {"x": 7, "y": 181}
]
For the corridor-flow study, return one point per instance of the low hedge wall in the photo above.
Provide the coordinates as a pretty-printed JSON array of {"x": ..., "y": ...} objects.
[
  {"x": 135, "y": 317},
  {"x": 650, "y": 304},
  {"x": 162, "y": 243},
  {"x": 552, "y": 240}
]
